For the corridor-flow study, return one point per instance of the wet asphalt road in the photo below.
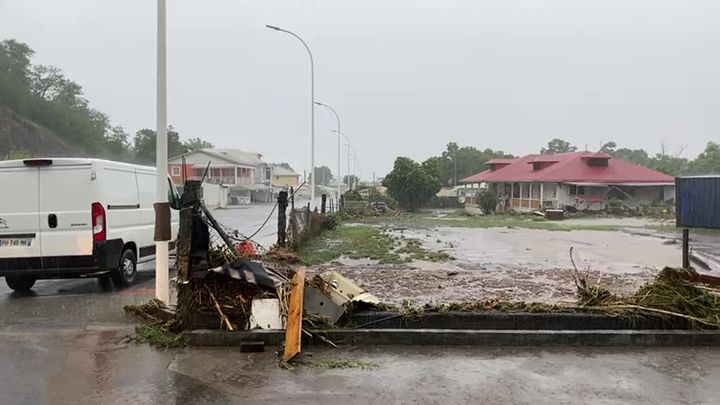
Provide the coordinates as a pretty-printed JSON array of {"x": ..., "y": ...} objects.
[{"x": 66, "y": 343}]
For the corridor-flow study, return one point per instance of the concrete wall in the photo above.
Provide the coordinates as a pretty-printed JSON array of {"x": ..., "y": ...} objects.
[{"x": 216, "y": 196}]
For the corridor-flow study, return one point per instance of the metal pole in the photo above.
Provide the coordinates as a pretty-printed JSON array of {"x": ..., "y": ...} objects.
[
  {"x": 356, "y": 172},
  {"x": 312, "y": 110},
  {"x": 337, "y": 117},
  {"x": 350, "y": 180},
  {"x": 162, "y": 282},
  {"x": 686, "y": 248}
]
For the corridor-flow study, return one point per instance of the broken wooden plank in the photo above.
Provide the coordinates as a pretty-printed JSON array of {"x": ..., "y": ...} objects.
[{"x": 293, "y": 332}]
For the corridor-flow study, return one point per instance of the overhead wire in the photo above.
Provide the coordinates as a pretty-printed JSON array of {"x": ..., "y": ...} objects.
[{"x": 271, "y": 213}]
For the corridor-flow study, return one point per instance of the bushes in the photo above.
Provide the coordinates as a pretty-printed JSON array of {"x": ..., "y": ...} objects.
[
  {"x": 488, "y": 201},
  {"x": 614, "y": 206}
]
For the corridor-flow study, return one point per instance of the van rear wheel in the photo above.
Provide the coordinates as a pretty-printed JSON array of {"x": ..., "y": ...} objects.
[
  {"x": 124, "y": 275},
  {"x": 20, "y": 283}
]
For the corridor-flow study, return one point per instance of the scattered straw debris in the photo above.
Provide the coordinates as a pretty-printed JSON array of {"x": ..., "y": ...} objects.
[
  {"x": 147, "y": 311},
  {"x": 342, "y": 363},
  {"x": 674, "y": 293}
]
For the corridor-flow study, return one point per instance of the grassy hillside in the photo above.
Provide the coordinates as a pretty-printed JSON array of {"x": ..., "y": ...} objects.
[{"x": 18, "y": 134}]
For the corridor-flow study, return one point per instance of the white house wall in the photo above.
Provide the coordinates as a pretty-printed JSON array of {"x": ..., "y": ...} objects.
[{"x": 557, "y": 194}]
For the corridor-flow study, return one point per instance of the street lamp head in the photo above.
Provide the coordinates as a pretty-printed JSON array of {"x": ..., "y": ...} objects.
[
  {"x": 319, "y": 103},
  {"x": 272, "y": 27}
]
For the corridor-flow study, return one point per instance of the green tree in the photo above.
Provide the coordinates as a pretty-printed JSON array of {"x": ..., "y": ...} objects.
[
  {"x": 324, "y": 175},
  {"x": 672, "y": 165},
  {"x": 558, "y": 145},
  {"x": 459, "y": 162},
  {"x": 637, "y": 156},
  {"x": 608, "y": 147},
  {"x": 45, "y": 80},
  {"x": 117, "y": 141},
  {"x": 488, "y": 201},
  {"x": 17, "y": 154},
  {"x": 197, "y": 144},
  {"x": 145, "y": 145},
  {"x": 707, "y": 162},
  {"x": 43, "y": 95},
  {"x": 411, "y": 184}
]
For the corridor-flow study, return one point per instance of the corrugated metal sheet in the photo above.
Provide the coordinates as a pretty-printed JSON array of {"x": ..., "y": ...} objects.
[{"x": 698, "y": 201}]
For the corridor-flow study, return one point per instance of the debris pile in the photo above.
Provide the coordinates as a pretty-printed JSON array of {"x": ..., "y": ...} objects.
[
  {"x": 674, "y": 293},
  {"x": 204, "y": 299}
]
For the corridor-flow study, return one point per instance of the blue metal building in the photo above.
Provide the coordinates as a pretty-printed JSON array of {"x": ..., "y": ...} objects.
[{"x": 697, "y": 201}]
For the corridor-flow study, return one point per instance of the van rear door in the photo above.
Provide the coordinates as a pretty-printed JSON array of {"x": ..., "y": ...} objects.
[
  {"x": 66, "y": 196},
  {"x": 19, "y": 206}
]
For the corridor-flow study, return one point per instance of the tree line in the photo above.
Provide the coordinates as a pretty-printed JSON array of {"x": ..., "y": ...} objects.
[
  {"x": 707, "y": 162},
  {"x": 413, "y": 184},
  {"x": 44, "y": 95}
]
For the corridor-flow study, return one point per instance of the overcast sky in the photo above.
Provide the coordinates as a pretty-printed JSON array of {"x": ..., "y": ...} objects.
[{"x": 405, "y": 76}]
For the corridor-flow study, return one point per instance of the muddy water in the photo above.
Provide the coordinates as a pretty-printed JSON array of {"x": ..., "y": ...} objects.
[
  {"x": 512, "y": 264},
  {"x": 608, "y": 252}
]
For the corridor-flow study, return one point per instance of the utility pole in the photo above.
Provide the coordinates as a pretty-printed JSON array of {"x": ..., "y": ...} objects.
[{"x": 162, "y": 268}]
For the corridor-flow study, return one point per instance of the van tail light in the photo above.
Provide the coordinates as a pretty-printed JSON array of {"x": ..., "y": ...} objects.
[{"x": 99, "y": 227}]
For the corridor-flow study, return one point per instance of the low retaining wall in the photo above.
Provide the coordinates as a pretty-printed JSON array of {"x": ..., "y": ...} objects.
[
  {"x": 450, "y": 337},
  {"x": 485, "y": 329}
]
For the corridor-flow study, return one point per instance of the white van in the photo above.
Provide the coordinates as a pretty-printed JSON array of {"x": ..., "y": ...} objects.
[{"x": 70, "y": 217}]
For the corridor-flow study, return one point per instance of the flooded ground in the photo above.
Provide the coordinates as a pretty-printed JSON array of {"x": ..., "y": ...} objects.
[
  {"x": 100, "y": 367},
  {"x": 512, "y": 264}
]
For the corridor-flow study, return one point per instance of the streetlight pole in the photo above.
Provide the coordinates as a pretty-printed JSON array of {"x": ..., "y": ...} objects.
[
  {"x": 162, "y": 268},
  {"x": 337, "y": 117},
  {"x": 312, "y": 109},
  {"x": 348, "y": 156}
]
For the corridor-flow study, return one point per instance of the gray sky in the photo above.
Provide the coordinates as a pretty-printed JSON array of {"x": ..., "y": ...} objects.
[{"x": 405, "y": 76}]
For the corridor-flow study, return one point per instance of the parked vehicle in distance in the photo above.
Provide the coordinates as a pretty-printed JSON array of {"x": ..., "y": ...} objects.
[
  {"x": 73, "y": 217},
  {"x": 379, "y": 206}
]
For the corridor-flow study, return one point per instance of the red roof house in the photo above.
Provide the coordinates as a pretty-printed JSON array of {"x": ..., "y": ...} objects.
[{"x": 585, "y": 180}]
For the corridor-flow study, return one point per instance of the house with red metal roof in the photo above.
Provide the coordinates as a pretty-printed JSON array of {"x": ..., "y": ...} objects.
[{"x": 584, "y": 180}]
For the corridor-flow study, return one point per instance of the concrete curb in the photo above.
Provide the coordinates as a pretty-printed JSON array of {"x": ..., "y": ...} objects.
[
  {"x": 496, "y": 320},
  {"x": 453, "y": 337}
]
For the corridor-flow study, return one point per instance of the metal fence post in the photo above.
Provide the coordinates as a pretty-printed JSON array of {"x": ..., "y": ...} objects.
[{"x": 282, "y": 219}]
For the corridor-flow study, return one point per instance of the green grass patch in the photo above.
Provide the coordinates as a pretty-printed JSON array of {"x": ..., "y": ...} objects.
[
  {"x": 158, "y": 335},
  {"x": 425, "y": 220},
  {"x": 678, "y": 230},
  {"x": 365, "y": 242}
]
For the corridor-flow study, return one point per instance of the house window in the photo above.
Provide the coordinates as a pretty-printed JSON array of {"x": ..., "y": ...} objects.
[
  {"x": 175, "y": 171},
  {"x": 516, "y": 190},
  {"x": 268, "y": 173},
  {"x": 598, "y": 162},
  {"x": 576, "y": 190}
]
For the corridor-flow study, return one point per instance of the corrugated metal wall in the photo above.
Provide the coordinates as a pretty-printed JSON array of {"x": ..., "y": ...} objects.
[{"x": 698, "y": 202}]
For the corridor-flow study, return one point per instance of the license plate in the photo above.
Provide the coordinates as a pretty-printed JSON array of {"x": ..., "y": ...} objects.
[{"x": 26, "y": 242}]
